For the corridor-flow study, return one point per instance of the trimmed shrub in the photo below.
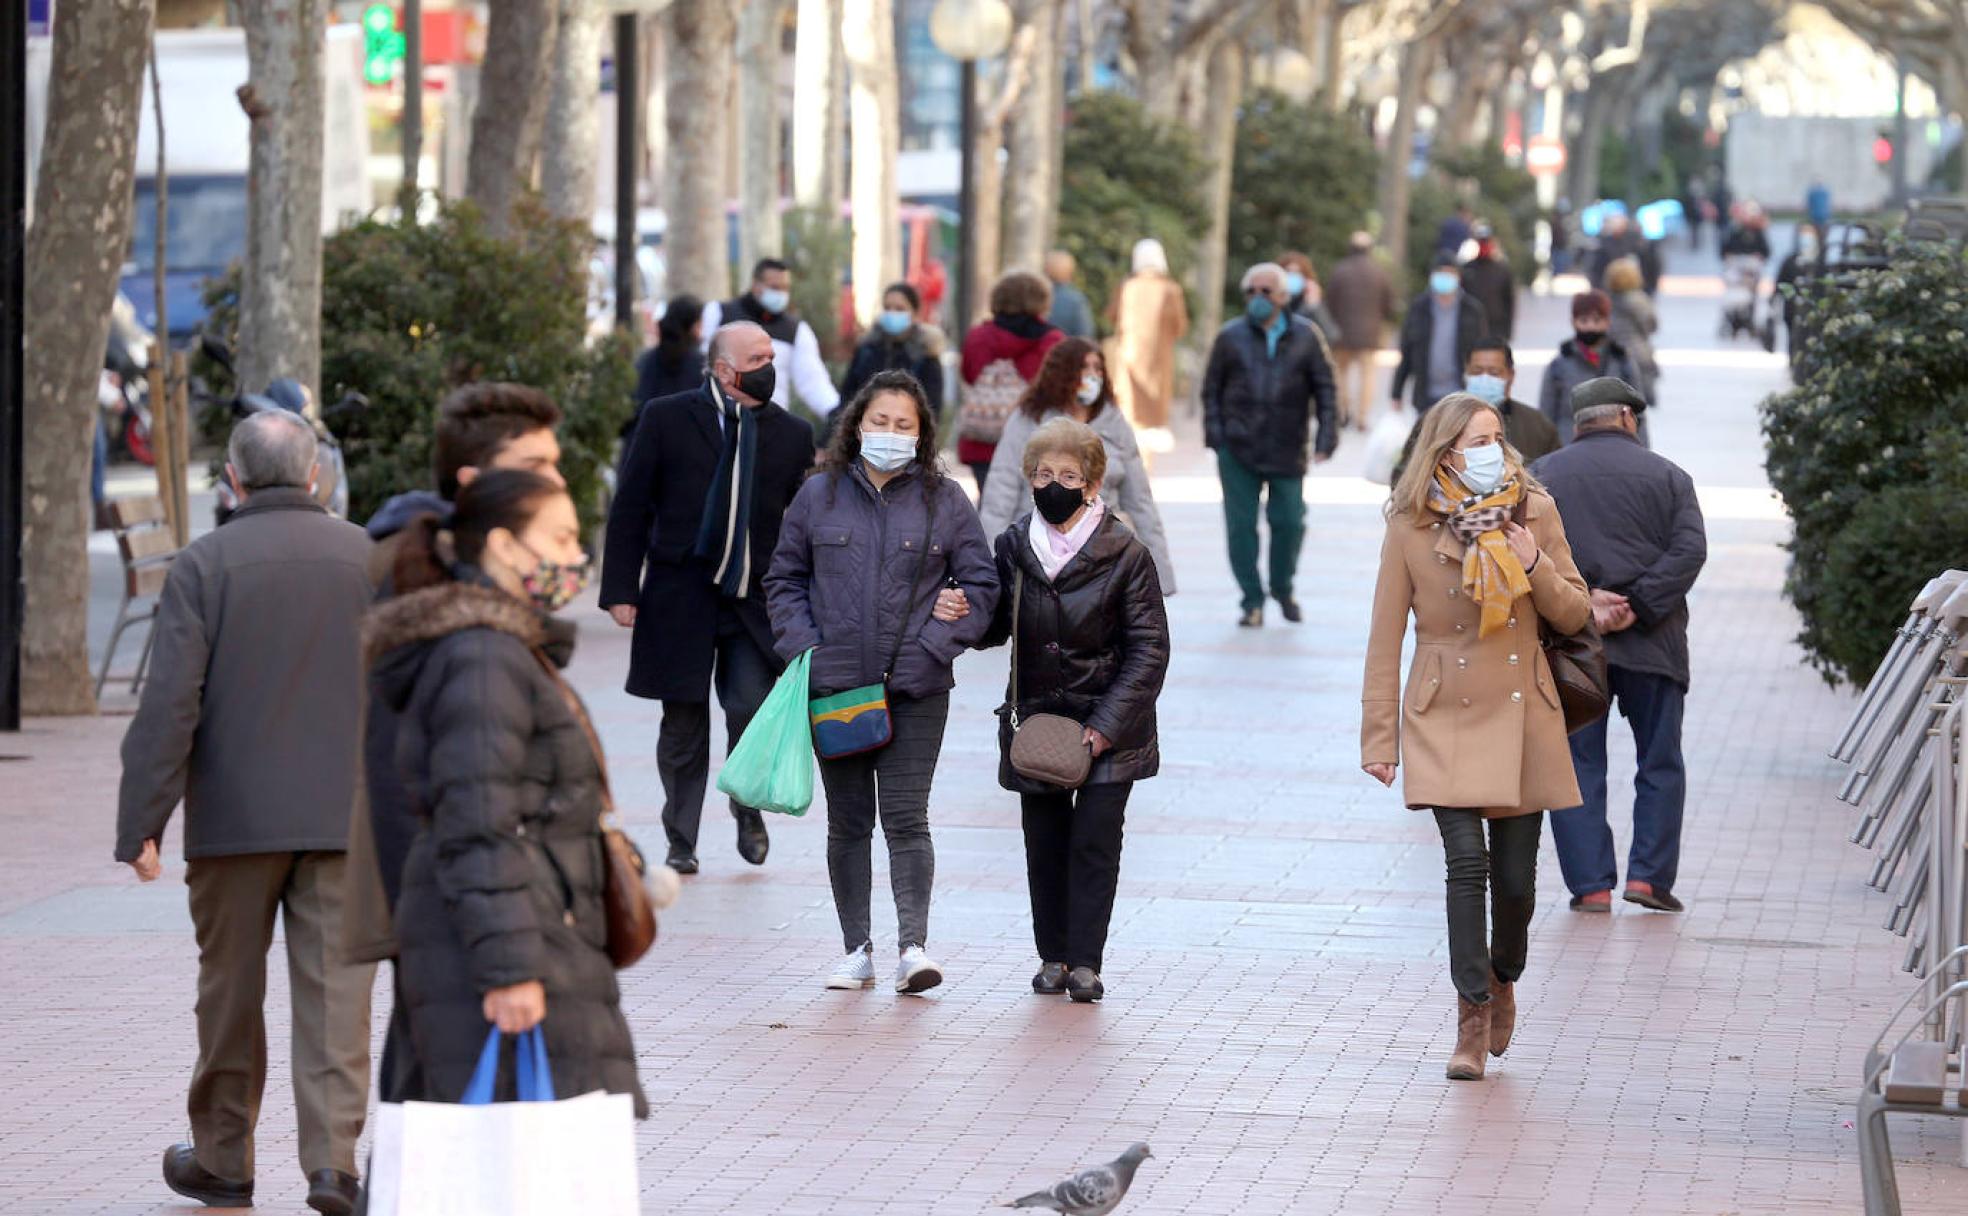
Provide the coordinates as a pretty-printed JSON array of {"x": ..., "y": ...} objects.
[{"x": 1303, "y": 179}]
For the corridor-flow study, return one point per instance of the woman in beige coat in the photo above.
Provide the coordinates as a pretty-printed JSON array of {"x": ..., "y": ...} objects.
[
  {"x": 1150, "y": 317},
  {"x": 1475, "y": 552}
]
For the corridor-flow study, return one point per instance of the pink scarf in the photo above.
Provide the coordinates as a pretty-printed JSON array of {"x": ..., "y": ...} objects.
[{"x": 1054, "y": 548}]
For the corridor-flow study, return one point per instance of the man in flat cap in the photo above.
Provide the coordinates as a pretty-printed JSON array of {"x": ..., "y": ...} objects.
[{"x": 1636, "y": 532}]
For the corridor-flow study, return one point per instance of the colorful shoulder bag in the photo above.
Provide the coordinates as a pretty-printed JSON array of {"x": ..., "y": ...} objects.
[{"x": 858, "y": 720}]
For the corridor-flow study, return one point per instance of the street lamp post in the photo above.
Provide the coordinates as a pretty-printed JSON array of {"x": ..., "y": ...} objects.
[
  {"x": 967, "y": 31},
  {"x": 13, "y": 252}
]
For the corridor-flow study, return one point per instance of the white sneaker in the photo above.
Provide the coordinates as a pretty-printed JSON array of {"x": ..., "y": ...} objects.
[
  {"x": 857, "y": 970},
  {"x": 916, "y": 971}
]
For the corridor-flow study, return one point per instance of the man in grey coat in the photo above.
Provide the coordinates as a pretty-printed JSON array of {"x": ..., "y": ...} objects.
[
  {"x": 1636, "y": 531},
  {"x": 251, "y": 715}
]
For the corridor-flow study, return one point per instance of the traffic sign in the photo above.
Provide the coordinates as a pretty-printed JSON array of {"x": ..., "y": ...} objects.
[{"x": 1545, "y": 156}]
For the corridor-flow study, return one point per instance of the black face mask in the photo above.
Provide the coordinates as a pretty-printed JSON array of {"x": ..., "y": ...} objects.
[
  {"x": 1057, "y": 503},
  {"x": 1588, "y": 337},
  {"x": 759, "y": 382}
]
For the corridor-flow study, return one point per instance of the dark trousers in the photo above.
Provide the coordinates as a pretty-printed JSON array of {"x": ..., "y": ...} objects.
[
  {"x": 1508, "y": 869},
  {"x": 1073, "y": 864},
  {"x": 1652, "y": 706},
  {"x": 743, "y": 676},
  {"x": 1284, "y": 511},
  {"x": 890, "y": 784}
]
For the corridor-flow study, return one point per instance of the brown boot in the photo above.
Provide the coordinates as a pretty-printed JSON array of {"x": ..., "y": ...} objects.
[
  {"x": 1503, "y": 1015},
  {"x": 1472, "y": 1040}
]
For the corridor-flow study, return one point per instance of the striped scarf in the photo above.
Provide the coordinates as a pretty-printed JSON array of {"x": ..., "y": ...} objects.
[
  {"x": 725, "y": 534},
  {"x": 1491, "y": 574}
]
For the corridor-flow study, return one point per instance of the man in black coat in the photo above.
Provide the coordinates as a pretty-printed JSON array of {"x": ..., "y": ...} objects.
[
  {"x": 1444, "y": 323},
  {"x": 1636, "y": 531},
  {"x": 1269, "y": 374},
  {"x": 706, "y": 481},
  {"x": 1488, "y": 280}
]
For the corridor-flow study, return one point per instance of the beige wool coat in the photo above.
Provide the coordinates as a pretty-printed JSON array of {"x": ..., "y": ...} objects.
[
  {"x": 1480, "y": 725},
  {"x": 1150, "y": 317}
]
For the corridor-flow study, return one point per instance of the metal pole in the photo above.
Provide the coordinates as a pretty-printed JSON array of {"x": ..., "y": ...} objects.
[
  {"x": 966, "y": 205},
  {"x": 628, "y": 164},
  {"x": 13, "y": 283},
  {"x": 413, "y": 107},
  {"x": 1900, "y": 150}
]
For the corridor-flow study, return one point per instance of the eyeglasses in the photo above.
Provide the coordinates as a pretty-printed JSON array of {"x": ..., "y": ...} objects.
[{"x": 1069, "y": 479}]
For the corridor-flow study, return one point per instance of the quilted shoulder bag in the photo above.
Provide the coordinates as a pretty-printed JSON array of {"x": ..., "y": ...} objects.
[{"x": 1050, "y": 748}]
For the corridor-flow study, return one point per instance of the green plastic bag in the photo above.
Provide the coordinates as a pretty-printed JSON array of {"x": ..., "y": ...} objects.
[{"x": 772, "y": 766}]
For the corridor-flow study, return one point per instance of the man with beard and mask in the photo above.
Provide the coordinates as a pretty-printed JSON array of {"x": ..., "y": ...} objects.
[
  {"x": 1587, "y": 355},
  {"x": 703, "y": 489},
  {"x": 796, "y": 360}
]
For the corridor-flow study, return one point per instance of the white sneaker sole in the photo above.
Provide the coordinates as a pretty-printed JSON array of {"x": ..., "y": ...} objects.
[
  {"x": 843, "y": 984},
  {"x": 922, "y": 979}
]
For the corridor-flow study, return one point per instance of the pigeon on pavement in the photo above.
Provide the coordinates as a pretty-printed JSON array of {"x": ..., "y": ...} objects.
[{"x": 1091, "y": 1192}]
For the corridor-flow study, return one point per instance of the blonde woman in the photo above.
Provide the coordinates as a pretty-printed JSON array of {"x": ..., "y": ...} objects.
[{"x": 1475, "y": 553}]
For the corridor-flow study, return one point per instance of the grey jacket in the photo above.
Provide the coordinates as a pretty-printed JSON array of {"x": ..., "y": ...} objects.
[
  {"x": 254, "y": 703},
  {"x": 851, "y": 571},
  {"x": 1126, "y": 488},
  {"x": 1636, "y": 528},
  {"x": 1569, "y": 368}
]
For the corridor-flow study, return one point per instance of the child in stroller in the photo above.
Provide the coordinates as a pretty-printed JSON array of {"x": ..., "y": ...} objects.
[{"x": 1742, "y": 295}]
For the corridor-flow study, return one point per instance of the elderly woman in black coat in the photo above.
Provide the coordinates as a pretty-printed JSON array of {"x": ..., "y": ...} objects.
[
  {"x": 1083, "y": 606},
  {"x": 500, "y": 922}
]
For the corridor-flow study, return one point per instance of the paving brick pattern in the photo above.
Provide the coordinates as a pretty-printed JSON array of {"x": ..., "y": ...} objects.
[{"x": 1279, "y": 1008}]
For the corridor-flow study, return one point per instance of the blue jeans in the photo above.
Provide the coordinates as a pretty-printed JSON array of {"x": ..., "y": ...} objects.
[{"x": 1652, "y": 705}]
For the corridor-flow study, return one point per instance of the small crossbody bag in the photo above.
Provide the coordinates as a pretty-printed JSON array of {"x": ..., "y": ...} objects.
[
  {"x": 1044, "y": 747},
  {"x": 858, "y": 720}
]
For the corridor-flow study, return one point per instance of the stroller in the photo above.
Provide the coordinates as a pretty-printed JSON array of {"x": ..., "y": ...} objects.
[{"x": 1742, "y": 295}]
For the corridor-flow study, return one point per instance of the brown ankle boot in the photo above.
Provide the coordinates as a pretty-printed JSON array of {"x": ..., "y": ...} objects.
[
  {"x": 1503, "y": 1015},
  {"x": 1472, "y": 1040}
]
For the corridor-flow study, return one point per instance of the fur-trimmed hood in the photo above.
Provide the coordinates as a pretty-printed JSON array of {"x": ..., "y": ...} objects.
[{"x": 399, "y": 633}]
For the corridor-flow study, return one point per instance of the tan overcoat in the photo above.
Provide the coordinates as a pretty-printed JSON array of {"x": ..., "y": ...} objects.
[
  {"x": 1480, "y": 726},
  {"x": 1150, "y": 318}
]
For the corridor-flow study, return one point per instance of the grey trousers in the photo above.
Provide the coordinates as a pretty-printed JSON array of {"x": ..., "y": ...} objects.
[
  {"x": 891, "y": 784},
  {"x": 233, "y": 904}
]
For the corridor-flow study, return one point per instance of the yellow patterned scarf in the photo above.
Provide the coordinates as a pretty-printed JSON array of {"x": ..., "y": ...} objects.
[{"x": 1491, "y": 574}]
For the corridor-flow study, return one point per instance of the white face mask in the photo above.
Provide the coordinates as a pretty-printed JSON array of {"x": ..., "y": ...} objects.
[
  {"x": 1090, "y": 387},
  {"x": 886, "y": 451},
  {"x": 1482, "y": 467}
]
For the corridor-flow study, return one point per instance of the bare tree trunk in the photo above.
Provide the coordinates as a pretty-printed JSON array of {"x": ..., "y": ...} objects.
[
  {"x": 868, "y": 38},
  {"x": 512, "y": 105},
  {"x": 759, "y": 230},
  {"x": 1604, "y": 99},
  {"x": 1225, "y": 92},
  {"x": 1031, "y": 133},
  {"x": 987, "y": 181},
  {"x": 1332, "y": 63},
  {"x": 656, "y": 111},
  {"x": 570, "y": 152},
  {"x": 1083, "y": 16},
  {"x": 817, "y": 68},
  {"x": 75, "y": 252},
  {"x": 1458, "y": 126},
  {"x": 698, "y": 41},
  {"x": 1151, "y": 44},
  {"x": 280, "y": 287},
  {"x": 1417, "y": 57}
]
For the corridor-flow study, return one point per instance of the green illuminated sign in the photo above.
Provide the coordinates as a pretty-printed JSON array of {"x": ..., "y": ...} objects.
[{"x": 382, "y": 44}]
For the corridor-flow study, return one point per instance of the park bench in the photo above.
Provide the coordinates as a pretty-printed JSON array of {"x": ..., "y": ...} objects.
[{"x": 147, "y": 546}]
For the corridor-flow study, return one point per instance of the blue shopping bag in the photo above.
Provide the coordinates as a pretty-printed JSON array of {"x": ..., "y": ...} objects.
[
  {"x": 772, "y": 766},
  {"x": 534, "y": 1082}
]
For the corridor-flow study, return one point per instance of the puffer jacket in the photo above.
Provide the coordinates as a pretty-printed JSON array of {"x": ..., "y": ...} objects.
[
  {"x": 1093, "y": 645},
  {"x": 1258, "y": 404},
  {"x": 503, "y": 882},
  {"x": 851, "y": 575}
]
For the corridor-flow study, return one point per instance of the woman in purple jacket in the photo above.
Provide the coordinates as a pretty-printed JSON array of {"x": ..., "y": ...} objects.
[{"x": 883, "y": 571}]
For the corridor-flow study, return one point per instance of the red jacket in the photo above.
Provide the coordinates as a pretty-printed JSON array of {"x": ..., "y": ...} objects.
[{"x": 988, "y": 342}]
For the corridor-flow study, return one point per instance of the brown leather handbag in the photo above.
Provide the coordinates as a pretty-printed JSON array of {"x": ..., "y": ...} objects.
[
  {"x": 1050, "y": 748},
  {"x": 1578, "y": 665}
]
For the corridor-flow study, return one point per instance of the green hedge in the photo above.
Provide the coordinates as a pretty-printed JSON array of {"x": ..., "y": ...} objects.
[{"x": 1304, "y": 179}]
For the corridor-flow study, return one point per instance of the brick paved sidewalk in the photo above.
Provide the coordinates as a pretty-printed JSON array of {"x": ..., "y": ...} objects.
[{"x": 1279, "y": 1007}]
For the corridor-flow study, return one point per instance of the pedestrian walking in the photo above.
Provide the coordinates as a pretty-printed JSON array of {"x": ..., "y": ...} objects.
[
  {"x": 481, "y": 426},
  {"x": 1636, "y": 528},
  {"x": 1360, "y": 294},
  {"x": 883, "y": 572},
  {"x": 1070, "y": 311},
  {"x": 797, "y": 362},
  {"x": 1091, "y": 643},
  {"x": 1817, "y": 205},
  {"x": 1455, "y": 230},
  {"x": 676, "y": 363},
  {"x": 1150, "y": 317},
  {"x": 1444, "y": 323},
  {"x": 1073, "y": 384},
  {"x": 501, "y": 918},
  {"x": 1001, "y": 358},
  {"x": 1475, "y": 553},
  {"x": 1488, "y": 279},
  {"x": 1489, "y": 376},
  {"x": 1268, "y": 379},
  {"x": 694, "y": 522},
  {"x": 1587, "y": 355},
  {"x": 1633, "y": 322},
  {"x": 1619, "y": 237},
  {"x": 249, "y": 715},
  {"x": 900, "y": 341},
  {"x": 1308, "y": 297}
]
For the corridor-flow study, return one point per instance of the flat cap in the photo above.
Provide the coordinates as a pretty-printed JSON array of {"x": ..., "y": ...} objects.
[{"x": 1608, "y": 390}]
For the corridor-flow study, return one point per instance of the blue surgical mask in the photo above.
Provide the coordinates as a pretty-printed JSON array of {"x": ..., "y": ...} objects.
[
  {"x": 1489, "y": 388},
  {"x": 1444, "y": 282},
  {"x": 1260, "y": 308},
  {"x": 1482, "y": 467},
  {"x": 886, "y": 451},
  {"x": 1090, "y": 387},
  {"x": 773, "y": 300},
  {"x": 1294, "y": 284},
  {"x": 896, "y": 321}
]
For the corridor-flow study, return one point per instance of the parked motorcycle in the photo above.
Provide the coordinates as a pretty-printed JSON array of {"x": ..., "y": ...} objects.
[
  {"x": 124, "y": 389},
  {"x": 331, "y": 486}
]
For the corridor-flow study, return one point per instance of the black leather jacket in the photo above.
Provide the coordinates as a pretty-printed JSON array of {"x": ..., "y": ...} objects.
[{"x": 1258, "y": 405}]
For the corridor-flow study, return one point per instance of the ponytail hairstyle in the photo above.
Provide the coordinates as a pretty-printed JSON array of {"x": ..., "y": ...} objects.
[{"x": 432, "y": 545}]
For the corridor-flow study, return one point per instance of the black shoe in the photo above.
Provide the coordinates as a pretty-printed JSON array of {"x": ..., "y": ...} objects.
[
  {"x": 1252, "y": 617},
  {"x": 753, "y": 843},
  {"x": 682, "y": 860},
  {"x": 1051, "y": 979},
  {"x": 183, "y": 1174},
  {"x": 332, "y": 1193},
  {"x": 1654, "y": 898},
  {"x": 1083, "y": 985},
  {"x": 1291, "y": 611}
]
